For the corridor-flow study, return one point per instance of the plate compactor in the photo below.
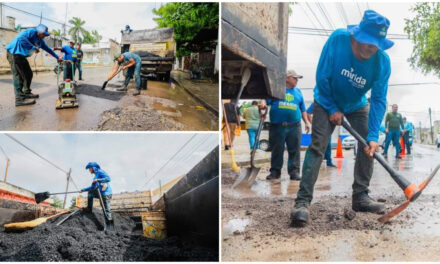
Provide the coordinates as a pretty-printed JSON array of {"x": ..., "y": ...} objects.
[{"x": 66, "y": 88}]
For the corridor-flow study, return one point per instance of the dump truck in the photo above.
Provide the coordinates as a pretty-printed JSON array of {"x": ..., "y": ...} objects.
[
  {"x": 156, "y": 47},
  {"x": 254, "y": 36}
]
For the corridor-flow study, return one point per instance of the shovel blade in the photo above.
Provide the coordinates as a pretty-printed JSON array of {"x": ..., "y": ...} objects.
[
  {"x": 104, "y": 85},
  {"x": 247, "y": 177},
  {"x": 109, "y": 225},
  {"x": 39, "y": 197}
]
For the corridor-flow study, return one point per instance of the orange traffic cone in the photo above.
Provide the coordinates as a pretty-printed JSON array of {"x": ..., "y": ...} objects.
[
  {"x": 339, "y": 149},
  {"x": 402, "y": 146}
]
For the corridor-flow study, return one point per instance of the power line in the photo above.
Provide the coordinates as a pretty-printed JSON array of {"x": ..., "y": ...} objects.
[
  {"x": 360, "y": 12},
  {"x": 4, "y": 153},
  {"x": 41, "y": 157},
  {"x": 313, "y": 13},
  {"x": 175, "y": 154},
  {"x": 324, "y": 13}
]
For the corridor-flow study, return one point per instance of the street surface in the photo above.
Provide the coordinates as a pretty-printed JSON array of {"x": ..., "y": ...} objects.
[
  {"x": 163, "y": 101},
  {"x": 255, "y": 222}
]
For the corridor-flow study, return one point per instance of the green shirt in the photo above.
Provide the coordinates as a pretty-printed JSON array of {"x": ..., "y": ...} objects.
[
  {"x": 252, "y": 117},
  {"x": 393, "y": 121}
]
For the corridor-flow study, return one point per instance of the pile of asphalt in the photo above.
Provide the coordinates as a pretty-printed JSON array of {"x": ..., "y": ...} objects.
[
  {"x": 81, "y": 238},
  {"x": 96, "y": 91}
]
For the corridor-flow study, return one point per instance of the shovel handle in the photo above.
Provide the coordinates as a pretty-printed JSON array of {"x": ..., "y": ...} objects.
[
  {"x": 263, "y": 113},
  {"x": 58, "y": 214},
  {"x": 399, "y": 179}
]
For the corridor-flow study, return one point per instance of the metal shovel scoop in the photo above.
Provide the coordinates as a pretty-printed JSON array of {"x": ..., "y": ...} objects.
[
  {"x": 248, "y": 175},
  {"x": 411, "y": 191}
]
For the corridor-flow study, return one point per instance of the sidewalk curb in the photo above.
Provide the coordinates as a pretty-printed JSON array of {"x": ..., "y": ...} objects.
[{"x": 198, "y": 98}]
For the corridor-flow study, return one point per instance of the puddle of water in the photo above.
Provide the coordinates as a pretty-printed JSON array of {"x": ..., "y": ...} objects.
[{"x": 235, "y": 225}]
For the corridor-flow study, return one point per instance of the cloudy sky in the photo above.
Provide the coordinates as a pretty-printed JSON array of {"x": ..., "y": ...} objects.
[
  {"x": 107, "y": 18},
  {"x": 304, "y": 52},
  {"x": 131, "y": 160}
]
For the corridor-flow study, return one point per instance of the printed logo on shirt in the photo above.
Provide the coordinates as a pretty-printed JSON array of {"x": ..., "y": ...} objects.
[
  {"x": 288, "y": 103},
  {"x": 354, "y": 79},
  {"x": 289, "y": 97}
]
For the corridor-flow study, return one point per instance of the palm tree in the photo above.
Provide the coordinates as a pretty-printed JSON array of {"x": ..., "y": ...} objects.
[
  {"x": 96, "y": 35},
  {"x": 56, "y": 33},
  {"x": 77, "y": 28}
]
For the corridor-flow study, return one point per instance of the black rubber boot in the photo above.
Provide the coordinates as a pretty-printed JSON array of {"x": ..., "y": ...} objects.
[
  {"x": 299, "y": 215},
  {"x": 362, "y": 202},
  {"x": 31, "y": 96},
  {"x": 273, "y": 176},
  {"x": 24, "y": 102},
  {"x": 294, "y": 176}
]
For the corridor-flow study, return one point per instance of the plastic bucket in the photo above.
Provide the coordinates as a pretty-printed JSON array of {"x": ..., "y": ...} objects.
[{"x": 154, "y": 225}]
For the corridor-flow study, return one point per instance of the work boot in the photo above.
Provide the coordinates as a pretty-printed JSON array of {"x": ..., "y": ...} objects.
[
  {"x": 24, "y": 102},
  {"x": 294, "y": 176},
  {"x": 398, "y": 157},
  {"x": 122, "y": 89},
  {"x": 299, "y": 215},
  {"x": 273, "y": 175},
  {"x": 227, "y": 147},
  {"x": 31, "y": 95},
  {"x": 362, "y": 202},
  {"x": 385, "y": 155},
  {"x": 331, "y": 165},
  {"x": 138, "y": 92}
]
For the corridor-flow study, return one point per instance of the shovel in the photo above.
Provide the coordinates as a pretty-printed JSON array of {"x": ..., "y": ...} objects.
[
  {"x": 108, "y": 224},
  {"x": 22, "y": 226},
  {"x": 106, "y": 82},
  {"x": 39, "y": 197},
  {"x": 248, "y": 175},
  {"x": 411, "y": 191}
]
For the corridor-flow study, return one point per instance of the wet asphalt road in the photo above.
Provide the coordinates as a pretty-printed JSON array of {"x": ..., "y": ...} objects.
[
  {"x": 171, "y": 101},
  {"x": 410, "y": 236}
]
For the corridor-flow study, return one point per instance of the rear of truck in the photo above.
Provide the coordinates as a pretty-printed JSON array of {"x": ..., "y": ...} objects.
[
  {"x": 254, "y": 36},
  {"x": 156, "y": 47}
]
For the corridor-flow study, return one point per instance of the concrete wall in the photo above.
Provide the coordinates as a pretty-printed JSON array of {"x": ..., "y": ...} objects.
[
  {"x": 192, "y": 205},
  {"x": 100, "y": 54}
]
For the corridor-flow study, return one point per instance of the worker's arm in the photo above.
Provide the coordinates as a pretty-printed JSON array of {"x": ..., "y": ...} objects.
[
  {"x": 323, "y": 75},
  {"x": 48, "y": 49},
  {"x": 401, "y": 123},
  {"x": 102, "y": 177},
  {"x": 113, "y": 72},
  {"x": 377, "y": 106},
  {"x": 91, "y": 187},
  {"x": 309, "y": 112},
  {"x": 302, "y": 108},
  {"x": 131, "y": 62}
]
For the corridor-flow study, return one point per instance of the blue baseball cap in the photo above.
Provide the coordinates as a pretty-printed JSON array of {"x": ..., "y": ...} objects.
[
  {"x": 127, "y": 26},
  {"x": 43, "y": 29},
  {"x": 372, "y": 30}
]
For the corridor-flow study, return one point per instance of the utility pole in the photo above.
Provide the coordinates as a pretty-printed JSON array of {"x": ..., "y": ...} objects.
[
  {"x": 67, "y": 188},
  {"x": 6, "y": 171},
  {"x": 1, "y": 15},
  {"x": 430, "y": 123}
]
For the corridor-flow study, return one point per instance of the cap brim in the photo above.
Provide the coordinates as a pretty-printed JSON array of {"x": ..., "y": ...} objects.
[
  {"x": 365, "y": 38},
  {"x": 46, "y": 33}
]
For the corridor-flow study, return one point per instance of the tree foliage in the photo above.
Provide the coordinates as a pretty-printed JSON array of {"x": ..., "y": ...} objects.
[
  {"x": 72, "y": 203},
  {"x": 187, "y": 19},
  {"x": 57, "y": 202},
  {"x": 77, "y": 29},
  {"x": 424, "y": 31},
  {"x": 56, "y": 32}
]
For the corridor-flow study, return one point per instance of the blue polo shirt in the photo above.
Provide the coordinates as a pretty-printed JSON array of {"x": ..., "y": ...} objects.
[
  {"x": 26, "y": 42},
  {"x": 342, "y": 80},
  {"x": 288, "y": 110},
  {"x": 69, "y": 53},
  {"x": 128, "y": 55}
]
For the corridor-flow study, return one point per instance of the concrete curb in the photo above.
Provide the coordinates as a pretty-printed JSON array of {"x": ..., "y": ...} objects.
[{"x": 198, "y": 98}]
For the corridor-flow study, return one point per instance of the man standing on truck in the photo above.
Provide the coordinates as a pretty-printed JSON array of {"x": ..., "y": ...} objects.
[
  {"x": 353, "y": 62},
  {"x": 100, "y": 183},
  {"x": 70, "y": 55},
  {"x": 133, "y": 66},
  {"x": 393, "y": 123},
  {"x": 285, "y": 128},
  {"x": 26, "y": 43}
]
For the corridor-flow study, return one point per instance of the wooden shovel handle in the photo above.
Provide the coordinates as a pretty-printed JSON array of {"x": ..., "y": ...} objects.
[{"x": 55, "y": 215}]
